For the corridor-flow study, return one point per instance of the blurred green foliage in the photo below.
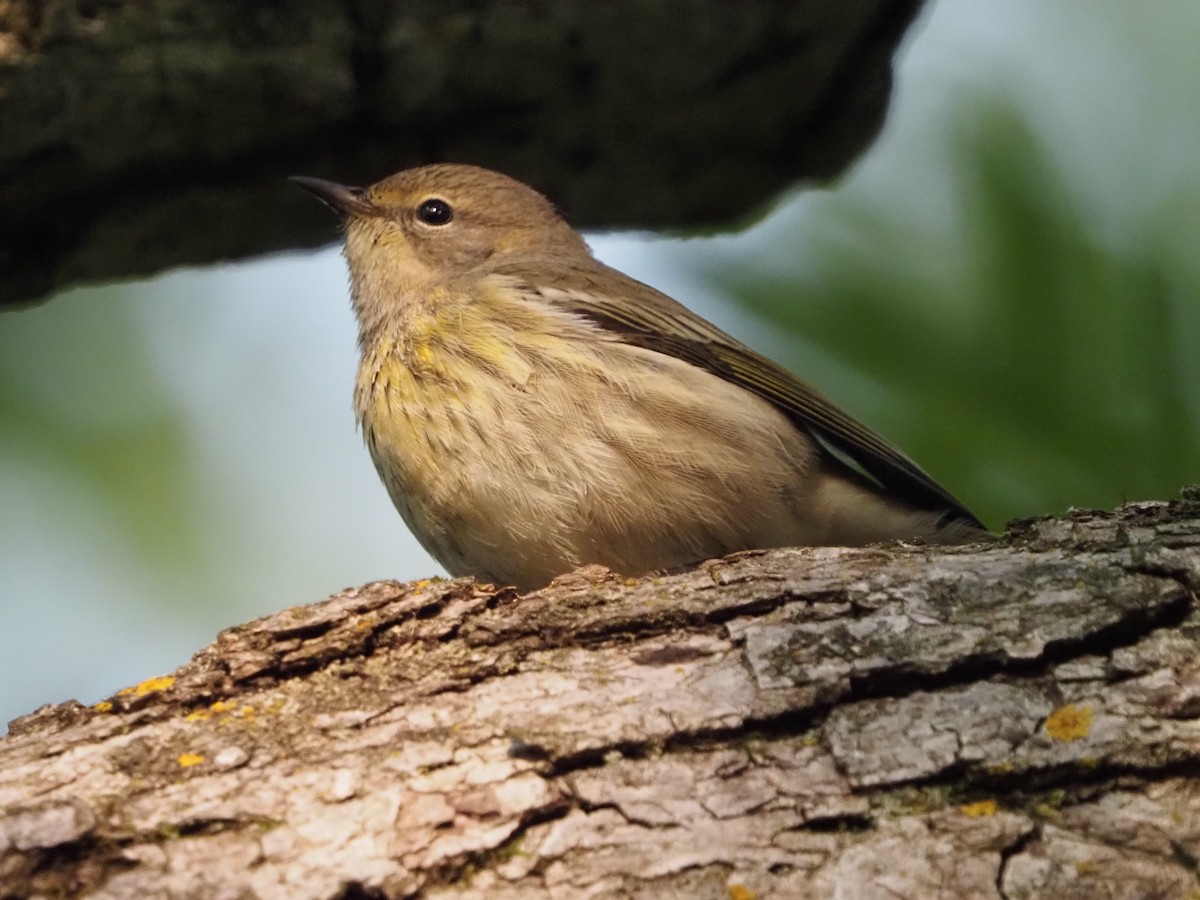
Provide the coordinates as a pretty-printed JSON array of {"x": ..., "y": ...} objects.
[
  {"x": 1025, "y": 360},
  {"x": 82, "y": 404}
]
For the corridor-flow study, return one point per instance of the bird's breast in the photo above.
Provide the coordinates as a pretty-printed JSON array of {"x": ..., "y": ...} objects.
[{"x": 514, "y": 456}]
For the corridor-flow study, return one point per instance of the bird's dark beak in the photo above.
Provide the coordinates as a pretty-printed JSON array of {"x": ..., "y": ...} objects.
[{"x": 350, "y": 201}]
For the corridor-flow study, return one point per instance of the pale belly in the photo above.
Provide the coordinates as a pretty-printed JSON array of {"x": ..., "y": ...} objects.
[{"x": 661, "y": 466}]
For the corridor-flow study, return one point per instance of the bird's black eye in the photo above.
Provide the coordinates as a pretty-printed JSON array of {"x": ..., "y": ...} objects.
[{"x": 435, "y": 212}]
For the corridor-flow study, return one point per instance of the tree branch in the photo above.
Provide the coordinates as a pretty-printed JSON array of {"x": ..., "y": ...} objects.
[
  {"x": 136, "y": 137},
  {"x": 1017, "y": 720}
]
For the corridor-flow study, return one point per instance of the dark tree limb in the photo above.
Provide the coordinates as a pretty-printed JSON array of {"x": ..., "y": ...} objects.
[
  {"x": 135, "y": 137},
  {"x": 1019, "y": 720}
]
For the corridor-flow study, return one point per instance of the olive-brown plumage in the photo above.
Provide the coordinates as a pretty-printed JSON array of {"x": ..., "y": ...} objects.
[{"x": 530, "y": 409}]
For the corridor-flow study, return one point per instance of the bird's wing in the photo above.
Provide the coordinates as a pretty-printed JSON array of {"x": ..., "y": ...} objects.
[{"x": 644, "y": 317}]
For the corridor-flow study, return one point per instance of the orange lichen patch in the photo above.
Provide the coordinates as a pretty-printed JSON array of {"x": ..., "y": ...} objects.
[
  {"x": 187, "y": 760},
  {"x": 103, "y": 706},
  {"x": 220, "y": 706},
  {"x": 233, "y": 714},
  {"x": 1069, "y": 723},
  {"x": 979, "y": 809},
  {"x": 740, "y": 892},
  {"x": 198, "y": 715},
  {"x": 149, "y": 686}
]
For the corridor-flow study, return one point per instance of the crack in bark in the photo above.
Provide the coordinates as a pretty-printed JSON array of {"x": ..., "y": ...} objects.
[
  {"x": 595, "y": 757},
  {"x": 1143, "y": 563},
  {"x": 56, "y": 871},
  {"x": 356, "y": 890},
  {"x": 1013, "y": 850},
  {"x": 1185, "y": 858},
  {"x": 1026, "y": 790},
  {"x": 460, "y": 868},
  {"x": 589, "y": 807},
  {"x": 838, "y": 824},
  {"x": 899, "y": 682},
  {"x": 1016, "y": 790}
]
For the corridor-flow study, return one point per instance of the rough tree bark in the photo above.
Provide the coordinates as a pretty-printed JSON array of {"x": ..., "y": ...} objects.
[{"x": 1019, "y": 720}]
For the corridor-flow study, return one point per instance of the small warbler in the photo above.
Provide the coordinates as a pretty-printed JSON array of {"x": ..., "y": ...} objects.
[{"x": 531, "y": 410}]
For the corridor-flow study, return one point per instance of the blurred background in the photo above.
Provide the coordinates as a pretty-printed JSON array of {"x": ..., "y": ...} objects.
[{"x": 1006, "y": 285}]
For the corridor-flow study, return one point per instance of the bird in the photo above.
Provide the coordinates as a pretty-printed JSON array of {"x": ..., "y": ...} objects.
[{"x": 531, "y": 410}]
